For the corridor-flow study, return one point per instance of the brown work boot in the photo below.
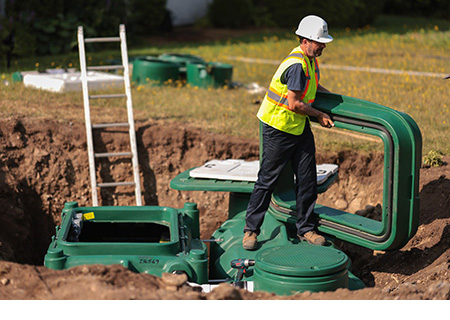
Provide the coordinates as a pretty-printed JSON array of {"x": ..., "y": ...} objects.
[
  {"x": 313, "y": 238},
  {"x": 250, "y": 242}
]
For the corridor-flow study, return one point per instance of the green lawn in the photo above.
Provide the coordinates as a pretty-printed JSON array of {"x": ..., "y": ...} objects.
[{"x": 393, "y": 43}]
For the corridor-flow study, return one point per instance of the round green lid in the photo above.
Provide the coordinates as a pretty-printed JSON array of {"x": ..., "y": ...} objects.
[{"x": 301, "y": 260}]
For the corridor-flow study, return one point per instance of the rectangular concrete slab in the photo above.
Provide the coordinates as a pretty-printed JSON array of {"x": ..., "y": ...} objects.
[{"x": 71, "y": 81}]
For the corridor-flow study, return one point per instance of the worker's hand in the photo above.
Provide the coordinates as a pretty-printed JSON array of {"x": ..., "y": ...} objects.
[{"x": 325, "y": 120}]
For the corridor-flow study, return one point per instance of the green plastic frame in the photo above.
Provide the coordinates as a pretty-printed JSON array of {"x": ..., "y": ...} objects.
[{"x": 402, "y": 147}]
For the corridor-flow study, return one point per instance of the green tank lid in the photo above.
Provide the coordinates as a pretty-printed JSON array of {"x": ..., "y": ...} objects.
[{"x": 301, "y": 260}]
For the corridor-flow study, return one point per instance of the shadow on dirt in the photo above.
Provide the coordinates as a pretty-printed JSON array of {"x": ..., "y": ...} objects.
[
  {"x": 105, "y": 169},
  {"x": 149, "y": 178},
  {"x": 42, "y": 227},
  {"x": 435, "y": 205},
  {"x": 25, "y": 228},
  {"x": 111, "y": 168},
  {"x": 435, "y": 200}
]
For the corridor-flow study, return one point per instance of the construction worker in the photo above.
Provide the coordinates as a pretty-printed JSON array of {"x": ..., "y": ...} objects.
[{"x": 287, "y": 135}]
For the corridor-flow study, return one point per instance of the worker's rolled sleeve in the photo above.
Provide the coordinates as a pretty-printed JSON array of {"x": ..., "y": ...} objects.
[{"x": 294, "y": 77}]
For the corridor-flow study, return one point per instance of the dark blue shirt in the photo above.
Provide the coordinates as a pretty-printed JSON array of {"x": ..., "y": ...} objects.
[{"x": 294, "y": 77}]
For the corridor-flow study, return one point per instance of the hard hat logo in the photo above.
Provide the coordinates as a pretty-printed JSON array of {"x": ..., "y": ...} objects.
[{"x": 314, "y": 28}]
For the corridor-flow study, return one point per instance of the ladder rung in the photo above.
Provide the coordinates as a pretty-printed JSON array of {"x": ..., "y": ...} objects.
[
  {"x": 113, "y": 67},
  {"x": 107, "y": 96},
  {"x": 112, "y": 154},
  {"x": 110, "y": 125},
  {"x": 114, "y": 184},
  {"x": 106, "y": 39}
]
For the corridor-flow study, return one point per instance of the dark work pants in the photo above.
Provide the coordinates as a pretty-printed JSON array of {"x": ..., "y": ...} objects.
[{"x": 278, "y": 148}]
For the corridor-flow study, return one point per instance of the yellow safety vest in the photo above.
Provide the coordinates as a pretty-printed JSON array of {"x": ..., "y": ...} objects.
[{"x": 274, "y": 109}]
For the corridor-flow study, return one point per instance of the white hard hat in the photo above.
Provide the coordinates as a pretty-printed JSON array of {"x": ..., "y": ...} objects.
[{"x": 314, "y": 28}]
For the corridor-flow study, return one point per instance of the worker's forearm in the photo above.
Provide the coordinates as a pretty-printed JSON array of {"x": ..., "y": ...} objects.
[
  {"x": 304, "y": 108},
  {"x": 298, "y": 106},
  {"x": 307, "y": 109}
]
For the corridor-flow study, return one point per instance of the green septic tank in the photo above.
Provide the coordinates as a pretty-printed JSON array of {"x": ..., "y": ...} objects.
[
  {"x": 161, "y": 239},
  {"x": 17, "y": 76},
  {"x": 283, "y": 264},
  {"x": 145, "y": 239},
  {"x": 181, "y": 60},
  {"x": 209, "y": 75},
  {"x": 277, "y": 244},
  {"x": 154, "y": 71}
]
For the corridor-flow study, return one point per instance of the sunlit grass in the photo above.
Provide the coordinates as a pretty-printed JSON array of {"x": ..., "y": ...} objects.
[{"x": 233, "y": 111}]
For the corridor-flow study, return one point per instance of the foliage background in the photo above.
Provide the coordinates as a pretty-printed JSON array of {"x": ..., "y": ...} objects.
[
  {"x": 342, "y": 13},
  {"x": 47, "y": 27}
]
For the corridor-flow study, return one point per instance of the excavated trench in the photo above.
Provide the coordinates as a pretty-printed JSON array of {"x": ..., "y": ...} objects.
[{"x": 44, "y": 164}]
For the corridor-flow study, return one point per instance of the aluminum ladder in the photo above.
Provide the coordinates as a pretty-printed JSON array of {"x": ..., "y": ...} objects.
[{"x": 90, "y": 127}]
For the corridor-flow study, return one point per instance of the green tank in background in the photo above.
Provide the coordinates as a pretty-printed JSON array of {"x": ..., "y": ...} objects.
[
  {"x": 154, "y": 71},
  {"x": 181, "y": 60},
  {"x": 209, "y": 75},
  {"x": 172, "y": 67}
]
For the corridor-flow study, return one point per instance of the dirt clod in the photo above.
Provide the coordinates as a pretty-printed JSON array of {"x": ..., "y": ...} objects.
[{"x": 176, "y": 280}]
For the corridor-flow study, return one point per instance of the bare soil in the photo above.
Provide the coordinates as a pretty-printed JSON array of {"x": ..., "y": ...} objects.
[{"x": 43, "y": 164}]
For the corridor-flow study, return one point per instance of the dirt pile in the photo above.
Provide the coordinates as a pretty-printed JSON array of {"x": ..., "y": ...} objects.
[{"x": 44, "y": 163}]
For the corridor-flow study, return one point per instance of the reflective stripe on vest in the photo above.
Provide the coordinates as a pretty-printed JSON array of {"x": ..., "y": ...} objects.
[{"x": 274, "y": 109}]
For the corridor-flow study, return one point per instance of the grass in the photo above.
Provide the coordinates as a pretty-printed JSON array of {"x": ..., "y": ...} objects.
[{"x": 408, "y": 44}]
